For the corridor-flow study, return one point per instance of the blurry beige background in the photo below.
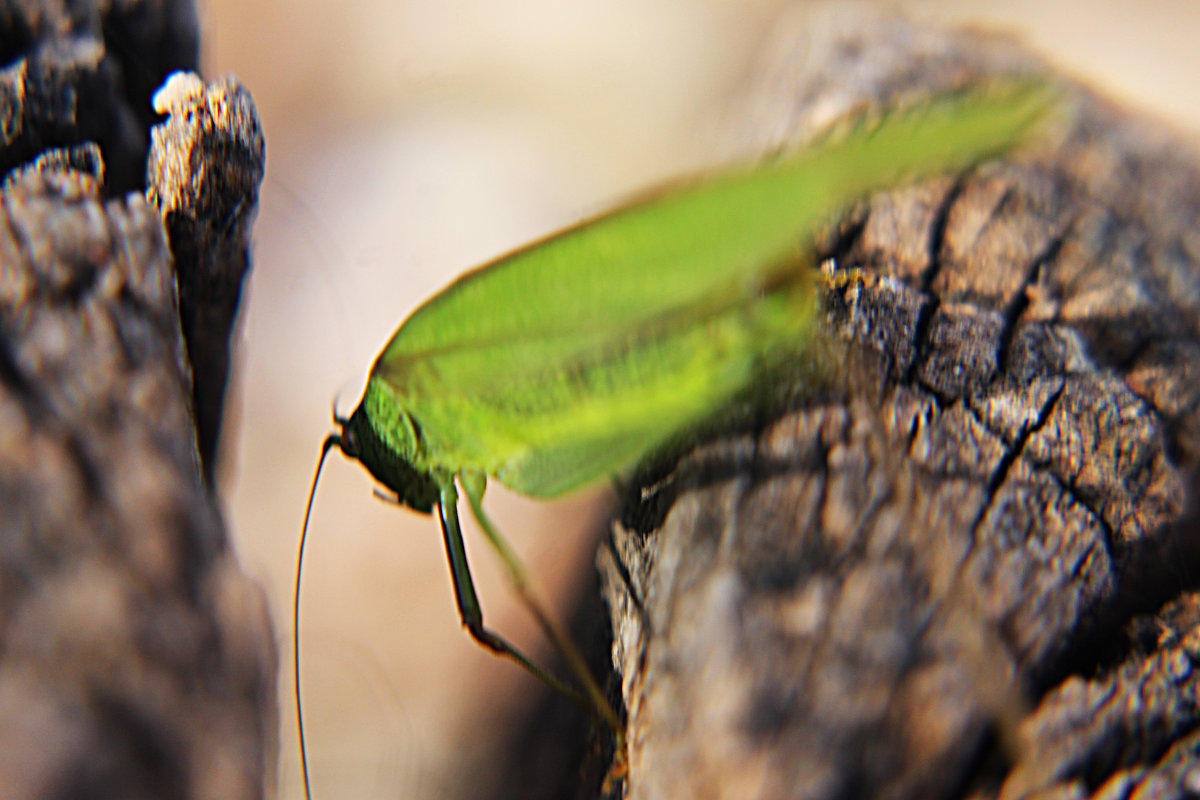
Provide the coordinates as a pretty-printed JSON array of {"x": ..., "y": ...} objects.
[{"x": 408, "y": 141}]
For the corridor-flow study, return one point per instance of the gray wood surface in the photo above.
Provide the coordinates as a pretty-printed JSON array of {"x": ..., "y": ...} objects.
[
  {"x": 136, "y": 660},
  {"x": 963, "y": 562}
]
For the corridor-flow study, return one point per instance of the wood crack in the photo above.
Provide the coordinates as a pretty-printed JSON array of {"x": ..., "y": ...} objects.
[
  {"x": 1019, "y": 302},
  {"x": 925, "y": 315}
]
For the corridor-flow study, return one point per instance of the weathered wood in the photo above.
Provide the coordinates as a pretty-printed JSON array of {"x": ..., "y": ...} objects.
[
  {"x": 85, "y": 72},
  {"x": 206, "y": 164},
  {"x": 135, "y": 659},
  {"x": 921, "y": 579}
]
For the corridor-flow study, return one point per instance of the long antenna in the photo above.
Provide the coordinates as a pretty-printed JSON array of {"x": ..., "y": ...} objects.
[{"x": 331, "y": 441}]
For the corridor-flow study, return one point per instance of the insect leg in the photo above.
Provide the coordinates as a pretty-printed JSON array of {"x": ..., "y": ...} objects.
[
  {"x": 840, "y": 279},
  {"x": 597, "y": 702},
  {"x": 469, "y": 609}
]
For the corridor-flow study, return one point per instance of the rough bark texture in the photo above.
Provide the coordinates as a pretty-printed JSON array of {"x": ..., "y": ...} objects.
[
  {"x": 965, "y": 564},
  {"x": 206, "y": 164},
  {"x": 135, "y": 659}
]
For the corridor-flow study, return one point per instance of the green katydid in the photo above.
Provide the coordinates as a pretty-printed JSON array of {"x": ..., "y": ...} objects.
[{"x": 575, "y": 357}]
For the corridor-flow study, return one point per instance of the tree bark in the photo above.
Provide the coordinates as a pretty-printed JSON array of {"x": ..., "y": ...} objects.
[
  {"x": 963, "y": 562},
  {"x": 136, "y": 660}
]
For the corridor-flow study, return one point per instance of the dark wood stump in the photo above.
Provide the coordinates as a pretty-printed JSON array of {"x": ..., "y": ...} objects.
[
  {"x": 135, "y": 658},
  {"x": 963, "y": 563}
]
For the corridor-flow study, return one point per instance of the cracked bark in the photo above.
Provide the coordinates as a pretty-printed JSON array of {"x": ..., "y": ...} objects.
[
  {"x": 964, "y": 563},
  {"x": 136, "y": 660}
]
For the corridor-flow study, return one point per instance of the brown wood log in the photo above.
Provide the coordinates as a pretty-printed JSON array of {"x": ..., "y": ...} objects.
[
  {"x": 962, "y": 562},
  {"x": 136, "y": 660}
]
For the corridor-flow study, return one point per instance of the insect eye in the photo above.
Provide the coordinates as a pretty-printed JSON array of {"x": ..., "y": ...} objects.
[{"x": 349, "y": 443}]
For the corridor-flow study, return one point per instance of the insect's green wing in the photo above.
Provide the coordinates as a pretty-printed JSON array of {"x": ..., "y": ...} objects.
[
  {"x": 621, "y": 394},
  {"x": 568, "y": 359}
]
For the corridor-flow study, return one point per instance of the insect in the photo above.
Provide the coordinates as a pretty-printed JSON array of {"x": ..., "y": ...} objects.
[{"x": 572, "y": 358}]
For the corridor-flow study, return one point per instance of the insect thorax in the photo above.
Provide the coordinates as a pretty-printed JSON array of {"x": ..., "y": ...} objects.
[{"x": 382, "y": 437}]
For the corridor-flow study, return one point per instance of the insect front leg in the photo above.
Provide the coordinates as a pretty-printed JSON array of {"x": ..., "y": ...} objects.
[
  {"x": 469, "y": 609},
  {"x": 473, "y": 487}
]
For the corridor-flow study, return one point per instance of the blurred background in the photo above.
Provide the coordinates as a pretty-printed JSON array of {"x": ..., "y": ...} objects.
[{"x": 408, "y": 141}]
